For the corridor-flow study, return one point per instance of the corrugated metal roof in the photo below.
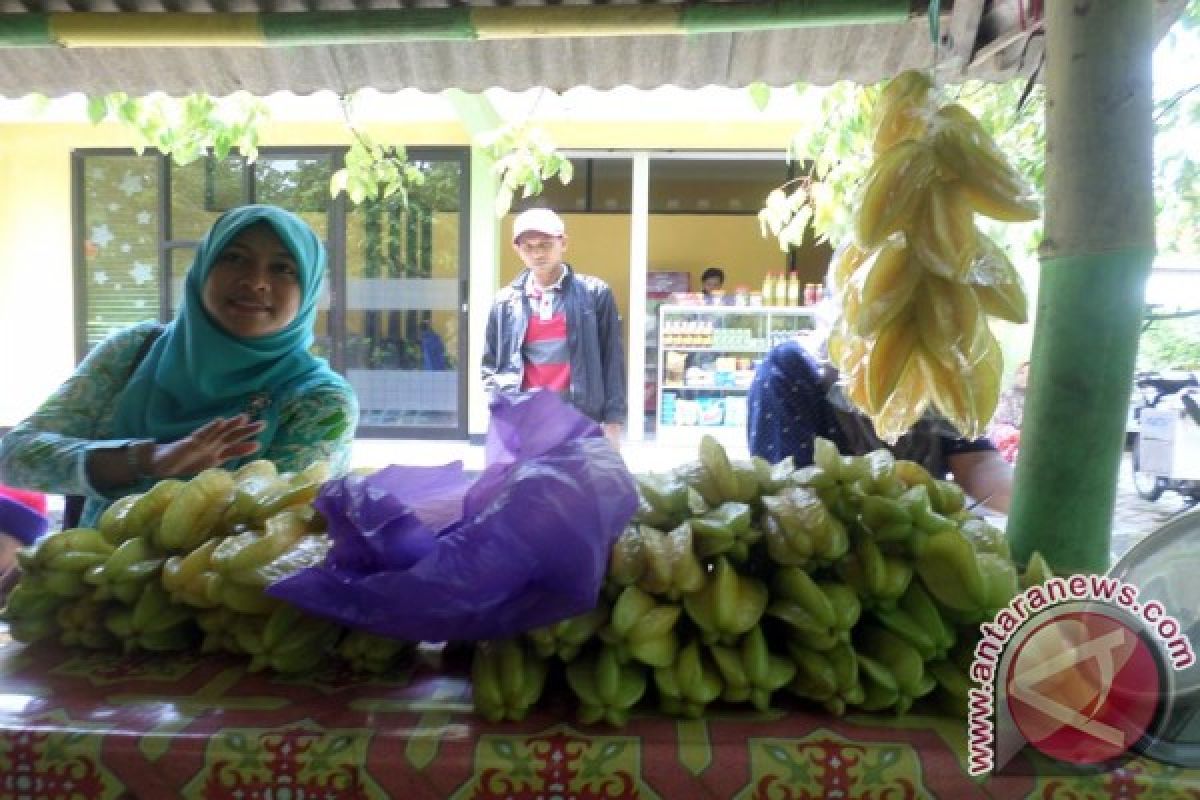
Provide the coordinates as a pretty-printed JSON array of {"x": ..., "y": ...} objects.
[{"x": 862, "y": 53}]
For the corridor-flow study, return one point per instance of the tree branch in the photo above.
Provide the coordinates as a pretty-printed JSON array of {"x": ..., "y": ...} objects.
[{"x": 1174, "y": 100}]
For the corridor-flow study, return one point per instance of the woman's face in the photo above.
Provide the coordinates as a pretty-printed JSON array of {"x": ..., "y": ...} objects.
[{"x": 253, "y": 288}]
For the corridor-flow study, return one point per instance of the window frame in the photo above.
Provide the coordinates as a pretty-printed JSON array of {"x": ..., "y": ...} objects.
[{"x": 335, "y": 244}]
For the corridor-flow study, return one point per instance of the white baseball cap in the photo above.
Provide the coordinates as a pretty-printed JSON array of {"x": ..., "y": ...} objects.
[{"x": 542, "y": 220}]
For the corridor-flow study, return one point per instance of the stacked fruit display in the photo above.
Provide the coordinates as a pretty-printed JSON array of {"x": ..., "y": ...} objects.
[
  {"x": 856, "y": 583},
  {"x": 185, "y": 565},
  {"x": 920, "y": 281}
]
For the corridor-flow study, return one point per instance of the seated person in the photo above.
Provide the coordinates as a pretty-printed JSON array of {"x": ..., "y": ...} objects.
[
  {"x": 229, "y": 380},
  {"x": 712, "y": 281},
  {"x": 1005, "y": 429},
  {"x": 795, "y": 399}
]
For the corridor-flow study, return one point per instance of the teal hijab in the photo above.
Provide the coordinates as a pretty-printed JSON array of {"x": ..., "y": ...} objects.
[{"x": 196, "y": 372}]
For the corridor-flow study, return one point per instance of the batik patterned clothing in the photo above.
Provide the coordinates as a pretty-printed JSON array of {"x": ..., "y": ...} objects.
[{"x": 48, "y": 450}]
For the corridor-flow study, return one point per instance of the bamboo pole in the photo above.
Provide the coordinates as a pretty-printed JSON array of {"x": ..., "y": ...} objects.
[{"x": 1096, "y": 253}]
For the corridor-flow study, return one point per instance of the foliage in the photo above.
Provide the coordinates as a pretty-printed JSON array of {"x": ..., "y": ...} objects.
[
  {"x": 1176, "y": 118},
  {"x": 185, "y": 129},
  {"x": 373, "y": 170},
  {"x": 525, "y": 158},
  {"x": 833, "y": 147},
  {"x": 1170, "y": 344}
]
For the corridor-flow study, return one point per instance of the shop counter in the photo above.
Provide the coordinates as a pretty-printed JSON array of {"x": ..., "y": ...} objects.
[{"x": 77, "y": 724}]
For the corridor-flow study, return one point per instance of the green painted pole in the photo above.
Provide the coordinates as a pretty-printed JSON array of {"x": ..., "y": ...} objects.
[
  {"x": 1096, "y": 254},
  {"x": 478, "y": 116},
  {"x": 727, "y": 17},
  {"x": 25, "y": 30}
]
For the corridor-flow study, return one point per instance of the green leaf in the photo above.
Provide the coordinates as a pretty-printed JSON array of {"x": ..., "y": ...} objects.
[
  {"x": 760, "y": 94},
  {"x": 504, "y": 198},
  {"x": 337, "y": 182},
  {"x": 97, "y": 109},
  {"x": 221, "y": 146},
  {"x": 129, "y": 111}
]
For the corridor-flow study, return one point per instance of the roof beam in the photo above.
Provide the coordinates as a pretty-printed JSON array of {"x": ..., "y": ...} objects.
[{"x": 137, "y": 29}]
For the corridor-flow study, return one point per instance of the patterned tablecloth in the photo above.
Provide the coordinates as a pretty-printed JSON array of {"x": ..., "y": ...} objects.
[{"x": 75, "y": 724}]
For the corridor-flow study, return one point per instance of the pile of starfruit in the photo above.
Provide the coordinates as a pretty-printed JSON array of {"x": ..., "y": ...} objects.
[
  {"x": 856, "y": 584},
  {"x": 920, "y": 280},
  {"x": 184, "y": 566}
]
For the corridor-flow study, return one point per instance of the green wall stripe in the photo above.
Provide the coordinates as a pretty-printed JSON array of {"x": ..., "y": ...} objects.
[
  {"x": 726, "y": 18},
  {"x": 25, "y": 30},
  {"x": 335, "y": 27}
]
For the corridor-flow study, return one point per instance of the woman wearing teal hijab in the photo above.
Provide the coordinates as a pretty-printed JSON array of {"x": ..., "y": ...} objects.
[{"x": 230, "y": 379}]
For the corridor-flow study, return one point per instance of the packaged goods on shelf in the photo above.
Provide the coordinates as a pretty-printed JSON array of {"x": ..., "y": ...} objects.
[
  {"x": 687, "y": 412},
  {"x": 735, "y": 412},
  {"x": 712, "y": 410}
]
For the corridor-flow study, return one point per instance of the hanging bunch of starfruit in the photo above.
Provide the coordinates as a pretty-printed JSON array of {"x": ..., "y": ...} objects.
[{"x": 920, "y": 280}]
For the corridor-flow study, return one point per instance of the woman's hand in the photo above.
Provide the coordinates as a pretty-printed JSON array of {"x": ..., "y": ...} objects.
[{"x": 209, "y": 446}]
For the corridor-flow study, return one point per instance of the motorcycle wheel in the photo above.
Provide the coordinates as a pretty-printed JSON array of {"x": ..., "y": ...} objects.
[{"x": 1148, "y": 487}]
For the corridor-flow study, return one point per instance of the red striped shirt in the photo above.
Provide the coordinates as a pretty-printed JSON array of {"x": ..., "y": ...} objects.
[{"x": 545, "y": 351}]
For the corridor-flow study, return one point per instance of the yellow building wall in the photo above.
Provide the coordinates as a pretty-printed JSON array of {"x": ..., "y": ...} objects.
[{"x": 37, "y": 319}]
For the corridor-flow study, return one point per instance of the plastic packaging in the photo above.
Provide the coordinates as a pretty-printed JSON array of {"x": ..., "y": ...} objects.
[{"x": 425, "y": 554}]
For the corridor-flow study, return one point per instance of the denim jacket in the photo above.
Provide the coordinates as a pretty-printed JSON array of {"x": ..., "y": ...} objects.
[{"x": 593, "y": 337}]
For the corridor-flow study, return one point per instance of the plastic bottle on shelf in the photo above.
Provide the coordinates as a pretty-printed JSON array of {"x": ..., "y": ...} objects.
[
  {"x": 768, "y": 288},
  {"x": 793, "y": 289},
  {"x": 810, "y": 294},
  {"x": 781, "y": 290}
]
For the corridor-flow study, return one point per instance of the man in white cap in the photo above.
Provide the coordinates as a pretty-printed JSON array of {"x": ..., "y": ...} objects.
[{"x": 554, "y": 328}]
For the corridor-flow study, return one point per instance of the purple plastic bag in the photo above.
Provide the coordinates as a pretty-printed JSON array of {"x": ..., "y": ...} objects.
[{"x": 424, "y": 554}]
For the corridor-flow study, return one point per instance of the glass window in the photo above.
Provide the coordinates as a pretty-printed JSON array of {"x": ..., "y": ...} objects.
[
  {"x": 203, "y": 190},
  {"x": 717, "y": 186},
  {"x": 299, "y": 184},
  {"x": 179, "y": 261},
  {"x": 120, "y": 270},
  {"x": 390, "y": 316},
  {"x": 602, "y": 185},
  {"x": 560, "y": 197},
  {"x": 402, "y": 317},
  {"x": 611, "y": 185}
]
